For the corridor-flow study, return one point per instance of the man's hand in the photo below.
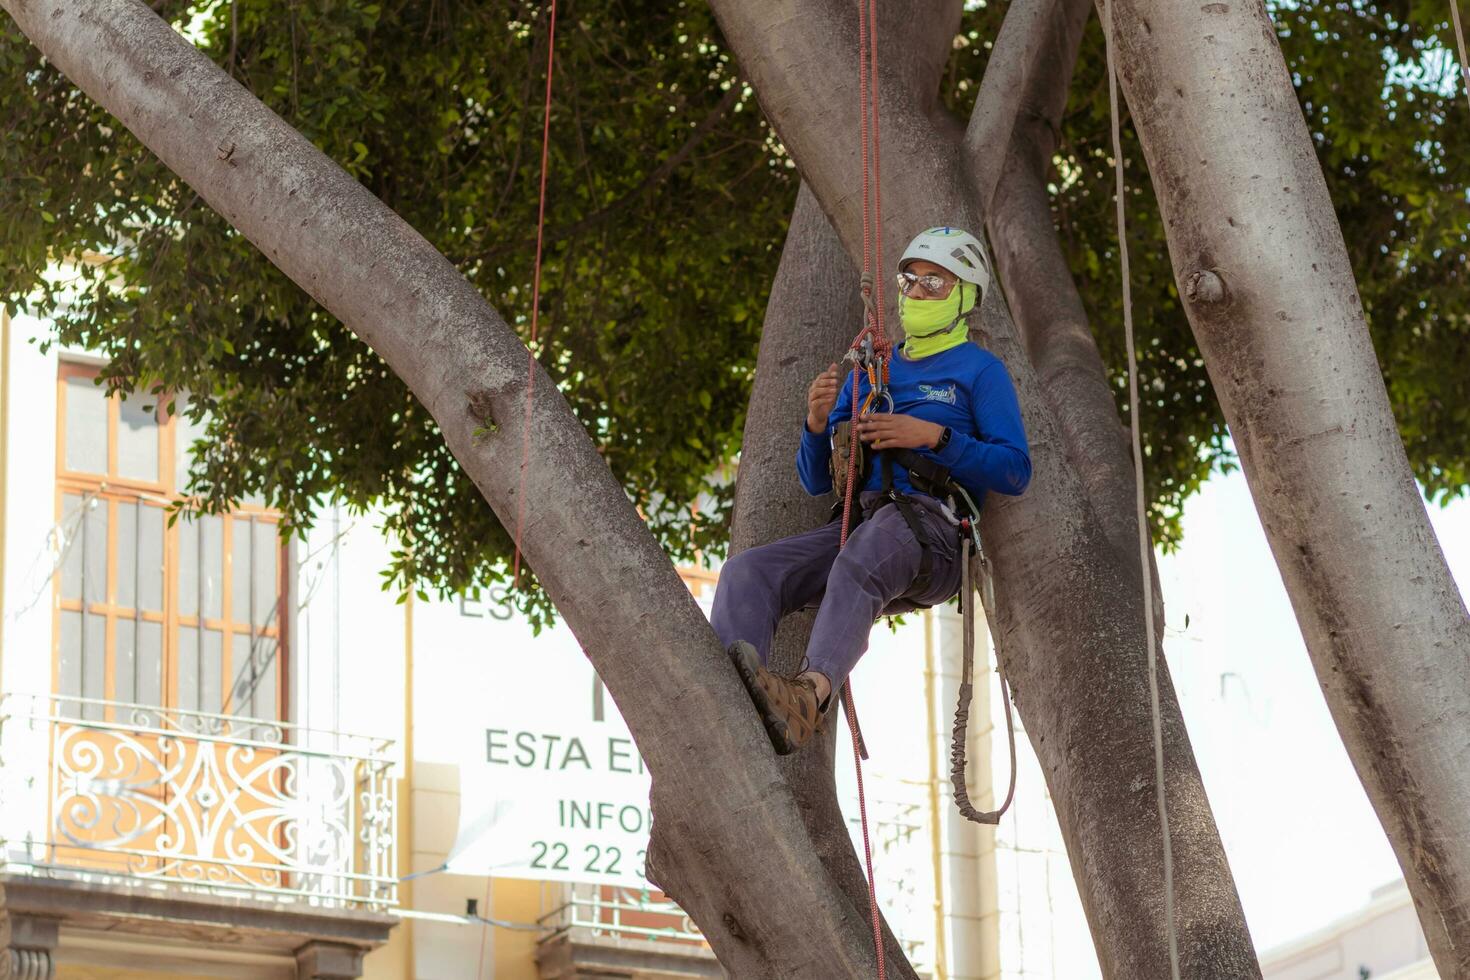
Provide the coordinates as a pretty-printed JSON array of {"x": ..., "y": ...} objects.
[
  {"x": 898, "y": 431},
  {"x": 821, "y": 395}
]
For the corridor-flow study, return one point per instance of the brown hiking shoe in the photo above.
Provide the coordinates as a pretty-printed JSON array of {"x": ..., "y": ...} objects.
[{"x": 787, "y": 705}]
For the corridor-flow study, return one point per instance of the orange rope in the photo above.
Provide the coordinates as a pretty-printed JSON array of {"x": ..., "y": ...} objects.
[{"x": 535, "y": 300}]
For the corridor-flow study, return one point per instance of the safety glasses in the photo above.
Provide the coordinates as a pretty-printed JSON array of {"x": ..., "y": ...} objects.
[{"x": 930, "y": 285}]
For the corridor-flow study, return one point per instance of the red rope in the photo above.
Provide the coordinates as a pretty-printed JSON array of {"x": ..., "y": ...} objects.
[
  {"x": 535, "y": 299},
  {"x": 873, "y": 327},
  {"x": 878, "y": 182},
  {"x": 530, "y": 360},
  {"x": 852, "y": 726}
]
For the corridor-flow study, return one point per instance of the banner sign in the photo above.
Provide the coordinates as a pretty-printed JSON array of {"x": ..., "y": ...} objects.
[
  {"x": 555, "y": 801},
  {"x": 551, "y": 786}
]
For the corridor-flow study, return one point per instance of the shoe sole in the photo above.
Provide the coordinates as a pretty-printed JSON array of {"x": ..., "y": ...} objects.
[{"x": 746, "y": 660}]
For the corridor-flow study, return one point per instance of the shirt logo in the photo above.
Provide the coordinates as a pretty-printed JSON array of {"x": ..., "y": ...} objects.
[{"x": 934, "y": 393}]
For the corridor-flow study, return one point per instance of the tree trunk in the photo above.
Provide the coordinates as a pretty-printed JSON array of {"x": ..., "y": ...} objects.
[
  {"x": 1260, "y": 261},
  {"x": 813, "y": 313},
  {"x": 1043, "y": 296},
  {"x": 715, "y": 780},
  {"x": 1071, "y": 639}
]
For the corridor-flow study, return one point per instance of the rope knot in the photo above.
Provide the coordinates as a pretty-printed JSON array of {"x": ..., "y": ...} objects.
[{"x": 865, "y": 289}]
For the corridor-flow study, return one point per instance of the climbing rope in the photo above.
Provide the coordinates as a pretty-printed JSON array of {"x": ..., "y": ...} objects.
[
  {"x": 535, "y": 296},
  {"x": 870, "y": 351},
  {"x": 1143, "y": 540}
]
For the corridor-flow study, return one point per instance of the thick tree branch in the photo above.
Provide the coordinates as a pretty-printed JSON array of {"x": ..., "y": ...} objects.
[
  {"x": 813, "y": 313},
  {"x": 686, "y": 708},
  {"x": 804, "y": 70},
  {"x": 1071, "y": 639},
  {"x": 1015, "y": 58},
  {"x": 1039, "y": 285},
  {"x": 1269, "y": 291}
]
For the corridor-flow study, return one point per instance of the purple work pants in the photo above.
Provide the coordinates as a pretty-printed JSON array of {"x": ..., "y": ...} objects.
[{"x": 851, "y": 587}]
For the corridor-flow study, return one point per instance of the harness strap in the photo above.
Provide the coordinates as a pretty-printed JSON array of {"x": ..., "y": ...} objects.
[
  {"x": 927, "y": 475},
  {"x": 905, "y": 507},
  {"x": 925, "y": 576}
]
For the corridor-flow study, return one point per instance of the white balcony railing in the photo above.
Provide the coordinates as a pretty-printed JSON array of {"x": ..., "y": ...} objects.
[
  {"x": 627, "y": 913},
  {"x": 106, "y": 790}
]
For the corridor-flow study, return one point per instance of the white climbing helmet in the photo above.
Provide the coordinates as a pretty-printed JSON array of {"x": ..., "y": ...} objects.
[{"x": 954, "y": 250}]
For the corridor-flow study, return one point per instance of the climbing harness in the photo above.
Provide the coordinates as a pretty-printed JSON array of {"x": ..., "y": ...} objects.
[
  {"x": 1143, "y": 543},
  {"x": 933, "y": 478}
]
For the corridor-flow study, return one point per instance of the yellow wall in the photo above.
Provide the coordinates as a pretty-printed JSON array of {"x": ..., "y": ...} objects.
[
  {"x": 73, "y": 972},
  {"x": 427, "y": 801},
  {"x": 515, "y": 950}
]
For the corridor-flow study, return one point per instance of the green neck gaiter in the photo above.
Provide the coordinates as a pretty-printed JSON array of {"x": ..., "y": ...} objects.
[{"x": 931, "y": 326}]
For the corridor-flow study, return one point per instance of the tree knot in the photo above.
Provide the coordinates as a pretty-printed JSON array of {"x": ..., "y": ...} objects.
[
  {"x": 482, "y": 410},
  {"x": 1205, "y": 286}
]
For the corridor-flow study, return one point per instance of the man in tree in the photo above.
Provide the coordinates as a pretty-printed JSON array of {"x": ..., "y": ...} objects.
[{"x": 953, "y": 415}]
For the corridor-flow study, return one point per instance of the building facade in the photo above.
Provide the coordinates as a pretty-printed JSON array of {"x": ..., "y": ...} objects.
[
  {"x": 225, "y": 754},
  {"x": 1381, "y": 941}
]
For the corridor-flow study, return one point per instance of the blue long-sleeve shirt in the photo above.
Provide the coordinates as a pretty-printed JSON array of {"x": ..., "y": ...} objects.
[{"x": 966, "y": 388}]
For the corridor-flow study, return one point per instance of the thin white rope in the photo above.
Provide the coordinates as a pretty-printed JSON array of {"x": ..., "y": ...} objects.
[
  {"x": 1143, "y": 541},
  {"x": 1460, "y": 41}
]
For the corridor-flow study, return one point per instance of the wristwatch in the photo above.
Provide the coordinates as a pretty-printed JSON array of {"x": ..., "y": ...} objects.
[{"x": 943, "y": 439}]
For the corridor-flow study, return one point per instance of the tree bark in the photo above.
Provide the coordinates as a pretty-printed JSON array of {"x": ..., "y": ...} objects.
[
  {"x": 813, "y": 313},
  {"x": 1027, "y": 44},
  {"x": 1072, "y": 640},
  {"x": 1261, "y": 264},
  {"x": 1043, "y": 295},
  {"x": 715, "y": 781}
]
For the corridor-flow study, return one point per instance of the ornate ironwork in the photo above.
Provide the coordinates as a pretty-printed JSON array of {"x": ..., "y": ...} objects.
[{"x": 217, "y": 801}]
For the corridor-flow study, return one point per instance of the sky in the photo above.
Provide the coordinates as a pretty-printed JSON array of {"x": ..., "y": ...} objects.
[{"x": 1301, "y": 837}]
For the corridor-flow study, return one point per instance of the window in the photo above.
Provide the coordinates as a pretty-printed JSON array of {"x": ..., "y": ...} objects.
[{"x": 189, "y": 617}]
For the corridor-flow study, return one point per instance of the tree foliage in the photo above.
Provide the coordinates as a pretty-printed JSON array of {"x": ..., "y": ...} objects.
[{"x": 668, "y": 201}]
